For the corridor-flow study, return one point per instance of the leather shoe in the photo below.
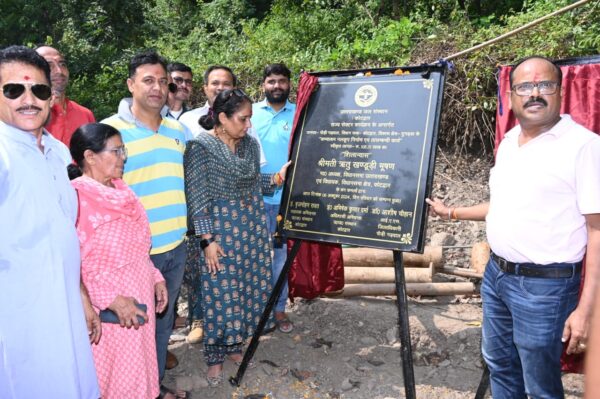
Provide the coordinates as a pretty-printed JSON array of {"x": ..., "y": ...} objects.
[{"x": 172, "y": 361}]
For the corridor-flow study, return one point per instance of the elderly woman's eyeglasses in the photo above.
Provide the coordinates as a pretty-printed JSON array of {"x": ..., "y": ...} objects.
[
  {"x": 545, "y": 87},
  {"x": 119, "y": 151}
]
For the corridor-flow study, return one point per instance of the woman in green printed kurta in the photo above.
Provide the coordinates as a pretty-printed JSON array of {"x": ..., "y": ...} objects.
[{"x": 229, "y": 249}]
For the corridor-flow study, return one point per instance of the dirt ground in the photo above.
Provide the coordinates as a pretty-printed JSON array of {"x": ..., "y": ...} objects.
[{"x": 349, "y": 348}]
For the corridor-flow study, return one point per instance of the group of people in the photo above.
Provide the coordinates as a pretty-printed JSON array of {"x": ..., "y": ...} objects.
[{"x": 94, "y": 266}]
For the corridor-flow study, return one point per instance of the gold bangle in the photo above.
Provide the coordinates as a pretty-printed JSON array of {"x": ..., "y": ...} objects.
[{"x": 454, "y": 214}]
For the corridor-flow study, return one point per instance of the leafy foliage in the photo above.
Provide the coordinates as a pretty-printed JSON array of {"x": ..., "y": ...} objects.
[{"x": 99, "y": 37}]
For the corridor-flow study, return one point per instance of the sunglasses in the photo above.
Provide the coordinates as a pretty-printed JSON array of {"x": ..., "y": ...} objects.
[
  {"x": 12, "y": 91},
  {"x": 238, "y": 93}
]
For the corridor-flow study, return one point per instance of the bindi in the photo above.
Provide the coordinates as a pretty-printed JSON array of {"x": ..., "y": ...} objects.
[{"x": 26, "y": 77}]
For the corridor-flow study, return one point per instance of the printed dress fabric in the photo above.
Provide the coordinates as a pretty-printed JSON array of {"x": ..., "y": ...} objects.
[
  {"x": 224, "y": 195},
  {"x": 114, "y": 235}
]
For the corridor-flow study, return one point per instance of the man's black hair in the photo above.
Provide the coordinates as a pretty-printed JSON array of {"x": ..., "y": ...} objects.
[
  {"x": 178, "y": 67},
  {"x": 214, "y": 68},
  {"x": 540, "y": 57},
  {"x": 146, "y": 58},
  {"x": 27, "y": 56},
  {"x": 276, "y": 69}
]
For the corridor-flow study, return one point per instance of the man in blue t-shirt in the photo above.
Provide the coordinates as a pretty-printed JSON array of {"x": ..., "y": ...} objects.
[{"x": 272, "y": 121}]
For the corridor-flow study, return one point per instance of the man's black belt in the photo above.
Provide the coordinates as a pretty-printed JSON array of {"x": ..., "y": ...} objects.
[{"x": 552, "y": 270}]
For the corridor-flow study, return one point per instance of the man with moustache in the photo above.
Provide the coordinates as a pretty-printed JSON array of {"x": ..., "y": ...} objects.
[
  {"x": 44, "y": 343},
  {"x": 154, "y": 171},
  {"x": 66, "y": 114},
  {"x": 180, "y": 89},
  {"x": 272, "y": 120},
  {"x": 216, "y": 79},
  {"x": 542, "y": 218}
]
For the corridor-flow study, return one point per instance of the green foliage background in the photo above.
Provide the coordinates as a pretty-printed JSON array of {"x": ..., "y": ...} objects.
[{"x": 99, "y": 37}]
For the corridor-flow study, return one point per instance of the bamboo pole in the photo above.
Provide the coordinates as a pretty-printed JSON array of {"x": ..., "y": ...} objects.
[
  {"x": 369, "y": 275},
  {"x": 370, "y": 257},
  {"x": 515, "y": 31},
  {"x": 389, "y": 289},
  {"x": 480, "y": 255},
  {"x": 459, "y": 271}
]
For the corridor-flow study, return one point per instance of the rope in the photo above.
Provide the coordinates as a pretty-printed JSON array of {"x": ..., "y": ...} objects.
[{"x": 515, "y": 31}]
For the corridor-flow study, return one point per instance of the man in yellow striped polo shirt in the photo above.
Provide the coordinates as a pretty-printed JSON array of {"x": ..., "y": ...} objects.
[{"x": 154, "y": 171}]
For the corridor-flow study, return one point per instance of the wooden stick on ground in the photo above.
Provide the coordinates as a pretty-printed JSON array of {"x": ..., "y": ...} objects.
[
  {"x": 370, "y": 257},
  {"x": 369, "y": 275},
  {"x": 389, "y": 289},
  {"x": 459, "y": 271}
]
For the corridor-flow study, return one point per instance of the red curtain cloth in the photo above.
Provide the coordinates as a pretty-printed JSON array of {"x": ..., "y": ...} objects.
[
  {"x": 317, "y": 268},
  {"x": 580, "y": 99}
]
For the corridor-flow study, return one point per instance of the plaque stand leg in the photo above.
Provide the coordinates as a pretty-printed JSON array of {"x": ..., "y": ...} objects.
[
  {"x": 406, "y": 348},
  {"x": 484, "y": 383},
  {"x": 237, "y": 380}
]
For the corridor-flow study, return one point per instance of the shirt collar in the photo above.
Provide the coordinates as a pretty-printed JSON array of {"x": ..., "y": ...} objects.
[
  {"x": 125, "y": 113},
  {"x": 556, "y": 130},
  {"x": 25, "y": 137},
  {"x": 265, "y": 105}
]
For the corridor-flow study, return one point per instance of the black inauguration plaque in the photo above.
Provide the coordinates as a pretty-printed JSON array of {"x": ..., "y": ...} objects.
[{"x": 363, "y": 158}]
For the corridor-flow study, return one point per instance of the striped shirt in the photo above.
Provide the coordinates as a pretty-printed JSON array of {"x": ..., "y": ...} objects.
[{"x": 154, "y": 171}]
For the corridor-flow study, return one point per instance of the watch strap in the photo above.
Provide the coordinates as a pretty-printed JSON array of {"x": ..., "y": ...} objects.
[{"x": 206, "y": 242}]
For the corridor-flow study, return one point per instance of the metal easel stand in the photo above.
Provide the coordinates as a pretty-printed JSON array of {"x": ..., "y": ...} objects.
[{"x": 408, "y": 371}]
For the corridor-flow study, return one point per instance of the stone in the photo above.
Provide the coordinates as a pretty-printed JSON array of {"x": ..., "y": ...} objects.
[
  {"x": 184, "y": 382},
  {"x": 346, "y": 385},
  {"x": 392, "y": 335},
  {"x": 442, "y": 239},
  {"x": 368, "y": 341}
]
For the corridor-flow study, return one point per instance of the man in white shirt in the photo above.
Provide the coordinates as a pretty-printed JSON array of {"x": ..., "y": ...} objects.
[
  {"x": 45, "y": 348},
  {"x": 216, "y": 79},
  {"x": 542, "y": 218}
]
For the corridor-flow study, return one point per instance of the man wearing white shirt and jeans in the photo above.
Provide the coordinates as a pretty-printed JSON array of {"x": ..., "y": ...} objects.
[{"x": 542, "y": 218}]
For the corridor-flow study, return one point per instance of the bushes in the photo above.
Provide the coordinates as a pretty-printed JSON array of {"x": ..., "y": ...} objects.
[{"x": 316, "y": 35}]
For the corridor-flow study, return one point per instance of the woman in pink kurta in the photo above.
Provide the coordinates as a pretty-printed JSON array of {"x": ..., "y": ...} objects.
[{"x": 115, "y": 265}]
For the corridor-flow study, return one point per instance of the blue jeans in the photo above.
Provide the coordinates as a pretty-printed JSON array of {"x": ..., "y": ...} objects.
[
  {"x": 172, "y": 265},
  {"x": 279, "y": 256},
  {"x": 523, "y": 320}
]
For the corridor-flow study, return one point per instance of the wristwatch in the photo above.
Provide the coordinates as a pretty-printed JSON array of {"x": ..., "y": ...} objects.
[{"x": 206, "y": 242}]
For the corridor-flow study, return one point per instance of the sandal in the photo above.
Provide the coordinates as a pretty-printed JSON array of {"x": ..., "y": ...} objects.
[
  {"x": 216, "y": 380},
  {"x": 166, "y": 392},
  {"x": 250, "y": 364},
  {"x": 284, "y": 324},
  {"x": 238, "y": 363}
]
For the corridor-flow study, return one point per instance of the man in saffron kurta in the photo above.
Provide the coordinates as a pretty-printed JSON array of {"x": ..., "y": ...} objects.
[
  {"x": 66, "y": 114},
  {"x": 44, "y": 345}
]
